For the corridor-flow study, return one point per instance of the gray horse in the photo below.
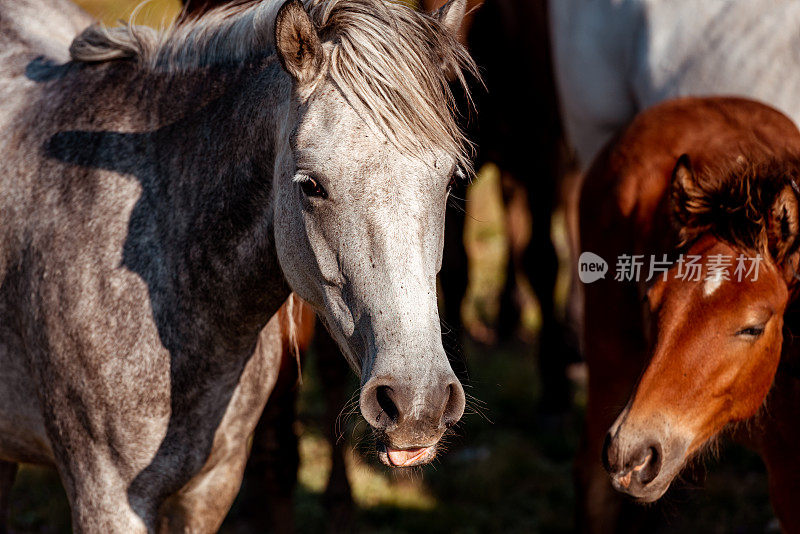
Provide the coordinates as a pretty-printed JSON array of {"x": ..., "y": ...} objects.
[{"x": 160, "y": 196}]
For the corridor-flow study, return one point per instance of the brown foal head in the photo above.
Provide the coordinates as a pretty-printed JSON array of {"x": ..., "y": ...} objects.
[{"x": 718, "y": 335}]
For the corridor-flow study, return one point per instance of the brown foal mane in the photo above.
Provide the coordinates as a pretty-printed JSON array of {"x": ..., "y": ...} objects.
[{"x": 734, "y": 202}]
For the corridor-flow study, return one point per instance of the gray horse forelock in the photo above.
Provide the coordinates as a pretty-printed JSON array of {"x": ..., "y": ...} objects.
[{"x": 397, "y": 62}]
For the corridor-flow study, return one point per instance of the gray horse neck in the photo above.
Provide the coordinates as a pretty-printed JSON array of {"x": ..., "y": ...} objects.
[{"x": 200, "y": 234}]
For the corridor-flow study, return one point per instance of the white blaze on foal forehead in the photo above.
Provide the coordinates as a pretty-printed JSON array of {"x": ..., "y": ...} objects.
[{"x": 711, "y": 285}]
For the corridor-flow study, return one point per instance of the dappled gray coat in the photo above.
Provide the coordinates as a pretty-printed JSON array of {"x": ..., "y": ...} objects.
[{"x": 161, "y": 195}]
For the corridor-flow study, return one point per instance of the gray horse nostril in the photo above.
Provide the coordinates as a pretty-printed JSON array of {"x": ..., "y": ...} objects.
[
  {"x": 454, "y": 406},
  {"x": 421, "y": 411},
  {"x": 383, "y": 396}
]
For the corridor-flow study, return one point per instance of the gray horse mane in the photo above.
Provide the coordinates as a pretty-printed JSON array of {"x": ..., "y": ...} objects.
[{"x": 395, "y": 60}]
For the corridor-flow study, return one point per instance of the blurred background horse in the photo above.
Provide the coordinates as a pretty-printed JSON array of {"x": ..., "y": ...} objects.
[{"x": 523, "y": 138}]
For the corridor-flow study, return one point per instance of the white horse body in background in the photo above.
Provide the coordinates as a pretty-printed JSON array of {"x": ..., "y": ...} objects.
[{"x": 614, "y": 58}]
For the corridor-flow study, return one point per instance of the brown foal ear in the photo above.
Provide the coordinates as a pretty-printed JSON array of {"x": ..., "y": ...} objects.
[
  {"x": 686, "y": 194},
  {"x": 451, "y": 14},
  {"x": 296, "y": 40},
  {"x": 783, "y": 227}
]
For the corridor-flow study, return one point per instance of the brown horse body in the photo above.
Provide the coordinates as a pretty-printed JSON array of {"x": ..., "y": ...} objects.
[{"x": 696, "y": 354}]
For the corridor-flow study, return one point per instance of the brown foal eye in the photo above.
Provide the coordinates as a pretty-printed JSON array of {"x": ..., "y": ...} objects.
[
  {"x": 751, "y": 331},
  {"x": 312, "y": 188}
]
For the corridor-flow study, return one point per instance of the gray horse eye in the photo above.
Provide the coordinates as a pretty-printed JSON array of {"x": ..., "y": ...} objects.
[{"x": 313, "y": 188}]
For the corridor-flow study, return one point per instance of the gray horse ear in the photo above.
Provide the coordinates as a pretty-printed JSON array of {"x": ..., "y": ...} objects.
[
  {"x": 451, "y": 14},
  {"x": 297, "y": 42}
]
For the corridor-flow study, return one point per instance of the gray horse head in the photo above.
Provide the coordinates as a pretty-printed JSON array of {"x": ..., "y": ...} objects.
[{"x": 361, "y": 185}]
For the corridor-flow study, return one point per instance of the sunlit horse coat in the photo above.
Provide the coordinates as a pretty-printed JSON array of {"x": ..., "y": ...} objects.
[{"x": 614, "y": 58}]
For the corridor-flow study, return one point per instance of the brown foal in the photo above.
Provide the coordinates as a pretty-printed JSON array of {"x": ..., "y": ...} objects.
[{"x": 676, "y": 359}]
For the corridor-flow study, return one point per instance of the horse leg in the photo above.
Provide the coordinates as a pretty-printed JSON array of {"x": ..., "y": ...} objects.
[
  {"x": 540, "y": 264},
  {"x": 202, "y": 504},
  {"x": 271, "y": 472},
  {"x": 97, "y": 491},
  {"x": 8, "y": 471},
  {"x": 510, "y": 310},
  {"x": 104, "y": 499},
  {"x": 97, "y": 477},
  {"x": 333, "y": 376}
]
